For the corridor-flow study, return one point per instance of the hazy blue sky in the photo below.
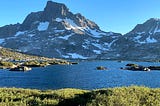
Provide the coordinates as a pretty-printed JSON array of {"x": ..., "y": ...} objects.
[{"x": 111, "y": 15}]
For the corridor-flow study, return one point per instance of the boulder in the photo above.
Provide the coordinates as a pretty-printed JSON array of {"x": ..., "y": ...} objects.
[{"x": 101, "y": 68}]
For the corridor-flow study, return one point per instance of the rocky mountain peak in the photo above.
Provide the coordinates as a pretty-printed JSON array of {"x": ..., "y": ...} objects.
[
  {"x": 55, "y": 10},
  {"x": 151, "y": 26},
  {"x": 57, "y": 15},
  {"x": 146, "y": 33}
]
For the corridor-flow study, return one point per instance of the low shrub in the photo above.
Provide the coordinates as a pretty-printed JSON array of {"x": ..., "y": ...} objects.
[{"x": 122, "y": 96}]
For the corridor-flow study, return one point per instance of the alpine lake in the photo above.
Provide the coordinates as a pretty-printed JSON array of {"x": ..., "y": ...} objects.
[{"x": 82, "y": 76}]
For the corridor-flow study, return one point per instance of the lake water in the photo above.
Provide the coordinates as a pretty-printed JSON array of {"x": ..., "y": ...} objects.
[{"x": 83, "y": 76}]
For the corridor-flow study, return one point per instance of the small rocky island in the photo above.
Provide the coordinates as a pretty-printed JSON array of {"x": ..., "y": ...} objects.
[{"x": 136, "y": 67}]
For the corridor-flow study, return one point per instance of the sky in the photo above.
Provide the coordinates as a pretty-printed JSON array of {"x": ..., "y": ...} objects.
[{"x": 119, "y": 16}]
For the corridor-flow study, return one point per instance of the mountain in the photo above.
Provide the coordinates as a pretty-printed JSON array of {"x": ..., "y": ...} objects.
[
  {"x": 57, "y": 32},
  {"x": 142, "y": 43},
  {"x": 146, "y": 33}
]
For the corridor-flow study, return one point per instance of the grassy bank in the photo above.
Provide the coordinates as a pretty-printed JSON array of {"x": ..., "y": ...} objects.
[{"x": 123, "y": 96}]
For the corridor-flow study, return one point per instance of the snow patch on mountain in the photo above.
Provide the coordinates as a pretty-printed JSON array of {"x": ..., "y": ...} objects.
[
  {"x": 76, "y": 56},
  {"x": 70, "y": 24},
  {"x": 99, "y": 46},
  {"x": 97, "y": 51},
  {"x": 137, "y": 37},
  {"x": 65, "y": 56},
  {"x": 20, "y": 33},
  {"x": 43, "y": 26},
  {"x": 141, "y": 42},
  {"x": 58, "y": 19},
  {"x": 148, "y": 40},
  {"x": 58, "y": 51},
  {"x": 95, "y": 33},
  {"x": 66, "y": 37},
  {"x": 151, "y": 40},
  {"x": 157, "y": 29},
  {"x": 85, "y": 46},
  {"x": 110, "y": 44},
  {"x": 2, "y": 40},
  {"x": 31, "y": 35},
  {"x": 139, "y": 33},
  {"x": 72, "y": 43},
  {"x": 58, "y": 31}
]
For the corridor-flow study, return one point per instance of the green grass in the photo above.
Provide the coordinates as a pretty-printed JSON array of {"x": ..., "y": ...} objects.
[{"x": 123, "y": 96}]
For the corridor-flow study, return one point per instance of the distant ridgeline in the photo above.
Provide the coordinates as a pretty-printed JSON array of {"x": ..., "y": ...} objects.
[{"x": 57, "y": 32}]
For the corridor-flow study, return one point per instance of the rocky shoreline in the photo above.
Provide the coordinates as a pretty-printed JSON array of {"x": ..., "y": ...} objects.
[{"x": 28, "y": 65}]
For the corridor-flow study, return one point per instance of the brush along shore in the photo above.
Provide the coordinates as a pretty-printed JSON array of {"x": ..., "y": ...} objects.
[{"x": 121, "y": 96}]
